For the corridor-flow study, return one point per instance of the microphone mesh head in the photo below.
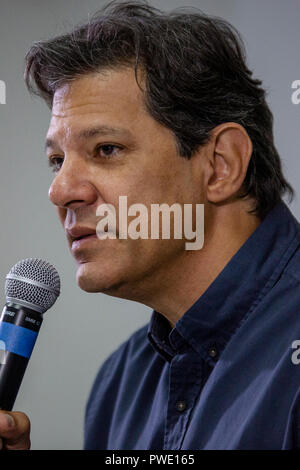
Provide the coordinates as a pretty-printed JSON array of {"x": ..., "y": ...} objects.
[{"x": 33, "y": 283}]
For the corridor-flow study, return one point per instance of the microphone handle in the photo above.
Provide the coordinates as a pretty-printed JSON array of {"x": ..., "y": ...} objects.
[{"x": 19, "y": 327}]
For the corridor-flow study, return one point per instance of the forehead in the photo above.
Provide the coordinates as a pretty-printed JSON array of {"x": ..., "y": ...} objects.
[{"x": 108, "y": 97}]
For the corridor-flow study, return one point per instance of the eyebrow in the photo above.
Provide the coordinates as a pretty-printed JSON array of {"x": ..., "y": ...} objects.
[{"x": 93, "y": 132}]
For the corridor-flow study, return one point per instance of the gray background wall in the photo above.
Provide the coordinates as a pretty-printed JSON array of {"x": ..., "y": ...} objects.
[{"x": 82, "y": 329}]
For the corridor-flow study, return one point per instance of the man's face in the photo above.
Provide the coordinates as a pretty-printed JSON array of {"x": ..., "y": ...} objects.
[{"x": 105, "y": 145}]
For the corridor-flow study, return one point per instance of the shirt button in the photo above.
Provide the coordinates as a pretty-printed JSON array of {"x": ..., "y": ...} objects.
[
  {"x": 180, "y": 405},
  {"x": 213, "y": 352}
]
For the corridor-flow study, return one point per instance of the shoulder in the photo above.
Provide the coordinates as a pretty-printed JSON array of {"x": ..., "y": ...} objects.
[
  {"x": 293, "y": 267},
  {"x": 292, "y": 435}
]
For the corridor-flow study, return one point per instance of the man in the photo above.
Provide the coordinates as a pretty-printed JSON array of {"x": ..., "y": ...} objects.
[{"x": 161, "y": 108}]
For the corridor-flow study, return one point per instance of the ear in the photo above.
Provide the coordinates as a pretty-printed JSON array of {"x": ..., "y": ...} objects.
[{"x": 230, "y": 152}]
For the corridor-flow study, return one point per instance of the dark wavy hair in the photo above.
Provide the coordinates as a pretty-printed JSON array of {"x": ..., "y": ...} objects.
[{"x": 196, "y": 78}]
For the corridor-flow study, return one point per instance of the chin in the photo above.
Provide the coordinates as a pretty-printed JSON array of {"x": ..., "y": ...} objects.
[{"x": 91, "y": 278}]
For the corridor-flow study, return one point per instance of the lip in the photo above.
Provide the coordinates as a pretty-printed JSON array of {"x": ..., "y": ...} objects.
[
  {"x": 80, "y": 235},
  {"x": 79, "y": 232},
  {"x": 80, "y": 242}
]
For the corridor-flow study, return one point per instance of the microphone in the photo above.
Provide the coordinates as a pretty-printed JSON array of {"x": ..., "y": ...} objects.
[{"x": 31, "y": 287}]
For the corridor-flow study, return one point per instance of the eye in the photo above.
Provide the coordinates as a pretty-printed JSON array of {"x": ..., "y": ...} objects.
[
  {"x": 107, "y": 151},
  {"x": 55, "y": 163}
]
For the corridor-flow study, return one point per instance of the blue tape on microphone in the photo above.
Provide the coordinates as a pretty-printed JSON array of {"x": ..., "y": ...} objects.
[{"x": 17, "y": 339}]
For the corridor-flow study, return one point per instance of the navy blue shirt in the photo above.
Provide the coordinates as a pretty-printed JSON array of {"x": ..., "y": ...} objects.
[{"x": 227, "y": 375}]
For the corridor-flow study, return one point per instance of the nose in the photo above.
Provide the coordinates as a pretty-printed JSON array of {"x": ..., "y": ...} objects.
[{"x": 71, "y": 187}]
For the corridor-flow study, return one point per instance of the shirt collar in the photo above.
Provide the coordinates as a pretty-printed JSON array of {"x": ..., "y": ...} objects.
[{"x": 210, "y": 322}]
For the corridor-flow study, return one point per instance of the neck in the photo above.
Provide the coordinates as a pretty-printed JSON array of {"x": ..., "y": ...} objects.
[{"x": 175, "y": 290}]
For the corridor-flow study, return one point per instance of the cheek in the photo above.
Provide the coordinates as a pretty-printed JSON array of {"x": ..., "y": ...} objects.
[
  {"x": 145, "y": 184},
  {"x": 145, "y": 187}
]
